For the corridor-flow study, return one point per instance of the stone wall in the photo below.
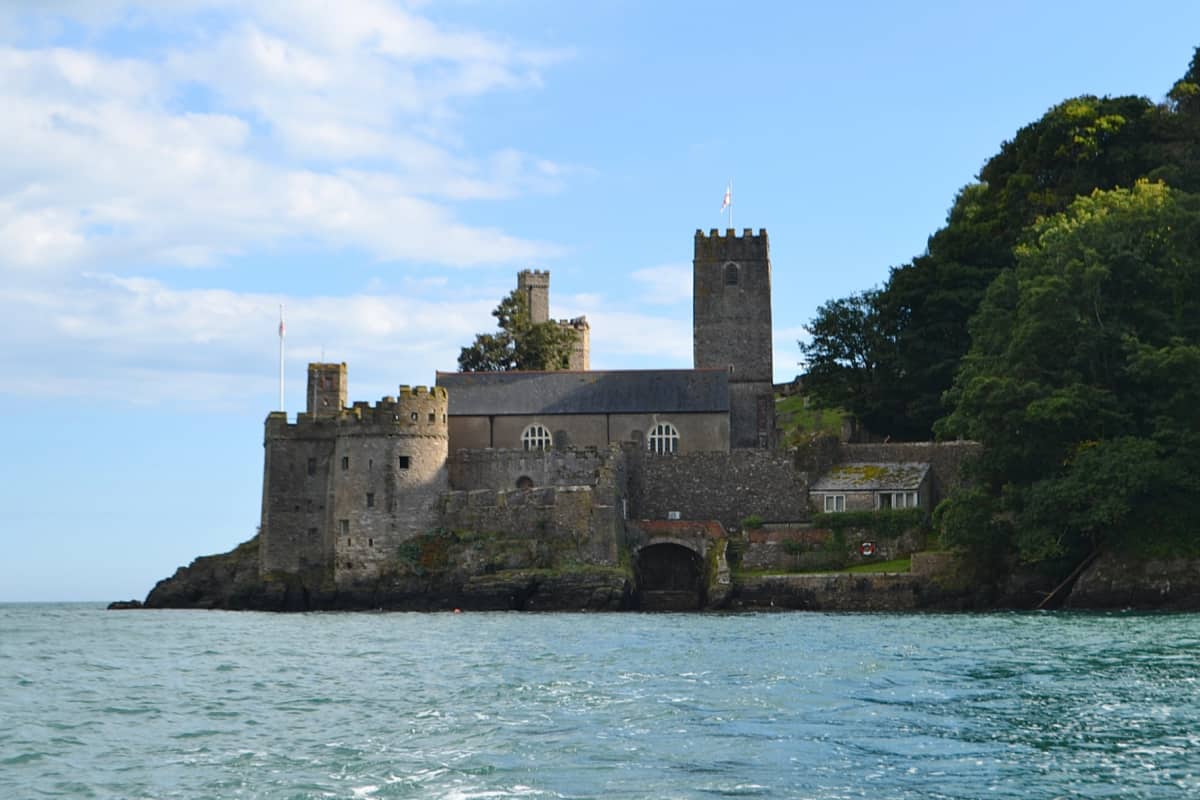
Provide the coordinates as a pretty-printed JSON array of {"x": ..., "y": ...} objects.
[
  {"x": 342, "y": 490},
  {"x": 502, "y": 469},
  {"x": 727, "y": 487},
  {"x": 563, "y": 524},
  {"x": 795, "y": 549}
]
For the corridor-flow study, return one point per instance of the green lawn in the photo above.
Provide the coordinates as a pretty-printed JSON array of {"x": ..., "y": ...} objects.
[
  {"x": 896, "y": 565},
  {"x": 797, "y": 422}
]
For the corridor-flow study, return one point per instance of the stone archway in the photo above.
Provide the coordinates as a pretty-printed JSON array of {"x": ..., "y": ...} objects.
[{"x": 670, "y": 577}]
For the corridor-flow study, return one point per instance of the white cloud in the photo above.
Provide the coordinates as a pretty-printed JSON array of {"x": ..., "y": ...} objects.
[
  {"x": 330, "y": 123},
  {"x": 665, "y": 285},
  {"x": 233, "y": 128},
  {"x": 109, "y": 335}
]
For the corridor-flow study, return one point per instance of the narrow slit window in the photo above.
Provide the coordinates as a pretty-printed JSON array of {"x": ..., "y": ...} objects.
[{"x": 370, "y": 499}]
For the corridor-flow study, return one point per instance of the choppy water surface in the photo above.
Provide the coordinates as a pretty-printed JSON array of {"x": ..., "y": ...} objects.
[{"x": 182, "y": 704}]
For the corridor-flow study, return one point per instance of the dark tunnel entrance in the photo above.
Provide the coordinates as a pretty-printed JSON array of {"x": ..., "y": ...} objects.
[{"x": 669, "y": 578}]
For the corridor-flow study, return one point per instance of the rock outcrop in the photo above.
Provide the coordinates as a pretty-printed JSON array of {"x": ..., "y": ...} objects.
[
  {"x": 1114, "y": 581},
  {"x": 232, "y": 581}
]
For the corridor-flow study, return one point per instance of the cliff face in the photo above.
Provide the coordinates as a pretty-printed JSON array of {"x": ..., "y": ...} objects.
[{"x": 1158, "y": 584}]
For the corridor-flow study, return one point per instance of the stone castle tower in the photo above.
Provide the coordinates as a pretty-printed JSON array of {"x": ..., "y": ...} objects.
[
  {"x": 344, "y": 486},
  {"x": 535, "y": 286},
  {"x": 731, "y": 327}
]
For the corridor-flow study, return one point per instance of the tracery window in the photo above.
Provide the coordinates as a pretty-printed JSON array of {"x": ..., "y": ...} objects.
[
  {"x": 663, "y": 438},
  {"x": 536, "y": 437}
]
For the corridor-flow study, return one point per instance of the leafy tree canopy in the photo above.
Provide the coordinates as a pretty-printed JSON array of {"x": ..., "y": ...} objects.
[
  {"x": 921, "y": 314},
  {"x": 519, "y": 344},
  {"x": 1083, "y": 382}
]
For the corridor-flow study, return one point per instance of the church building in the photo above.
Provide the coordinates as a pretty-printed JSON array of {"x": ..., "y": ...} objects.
[{"x": 724, "y": 403}]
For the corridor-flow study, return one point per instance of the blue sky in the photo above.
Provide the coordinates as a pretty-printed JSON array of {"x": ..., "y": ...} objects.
[{"x": 170, "y": 172}]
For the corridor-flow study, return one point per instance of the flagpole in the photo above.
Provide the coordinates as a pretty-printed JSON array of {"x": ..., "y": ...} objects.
[
  {"x": 281, "y": 331},
  {"x": 731, "y": 204}
]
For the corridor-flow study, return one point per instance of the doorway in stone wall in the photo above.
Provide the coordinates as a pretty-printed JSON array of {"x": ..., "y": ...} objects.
[{"x": 669, "y": 578}]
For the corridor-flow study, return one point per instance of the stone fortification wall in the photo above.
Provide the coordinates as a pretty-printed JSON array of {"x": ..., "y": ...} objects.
[
  {"x": 296, "y": 468},
  {"x": 945, "y": 459},
  {"x": 342, "y": 490},
  {"x": 560, "y": 524},
  {"x": 502, "y": 469},
  {"x": 727, "y": 487}
]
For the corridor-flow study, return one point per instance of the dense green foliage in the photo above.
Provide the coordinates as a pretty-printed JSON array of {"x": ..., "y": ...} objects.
[
  {"x": 888, "y": 355},
  {"x": 1056, "y": 319},
  {"x": 520, "y": 343},
  {"x": 1083, "y": 381}
]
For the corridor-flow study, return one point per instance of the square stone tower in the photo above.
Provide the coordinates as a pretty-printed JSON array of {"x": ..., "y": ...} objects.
[
  {"x": 535, "y": 285},
  {"x": 326, "y": 389},
  {"x": 731, "y": 327}
]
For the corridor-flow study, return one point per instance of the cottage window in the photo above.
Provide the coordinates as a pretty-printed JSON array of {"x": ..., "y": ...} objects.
[
  {"x": 536, "y": 437},
  {"x": 897, "y": 500},
  {"x": 835, "y": 502},
  {"x": 663, "y": 438}
]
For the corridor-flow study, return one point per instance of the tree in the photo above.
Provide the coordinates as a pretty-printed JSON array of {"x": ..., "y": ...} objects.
[
  {"x": 846, "y": 352},
  {"x": 1081, "y": 380},
  {"x": 519, "y": 344}
]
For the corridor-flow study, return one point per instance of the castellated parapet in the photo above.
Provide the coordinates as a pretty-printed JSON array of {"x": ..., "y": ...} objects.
[{"x": 343, "y": 490}]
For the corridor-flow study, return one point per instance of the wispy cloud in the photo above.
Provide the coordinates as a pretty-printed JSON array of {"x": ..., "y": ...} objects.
[
  {"x": 665, "y": 285},
  {"x": 139, "y": 137}
]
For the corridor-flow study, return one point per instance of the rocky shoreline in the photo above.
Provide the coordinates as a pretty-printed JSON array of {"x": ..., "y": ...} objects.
[{"x": 232, "y": 581}]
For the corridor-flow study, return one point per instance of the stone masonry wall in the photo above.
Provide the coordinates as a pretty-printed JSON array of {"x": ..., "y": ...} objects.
[
  {"x": 501, "y": 469},
  {"x": 569, "y": 524},
  {"x": 723, "y": 486}
]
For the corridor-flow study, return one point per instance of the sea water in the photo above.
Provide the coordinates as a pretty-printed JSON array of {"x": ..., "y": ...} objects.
[{"x": 194, "y": 704}]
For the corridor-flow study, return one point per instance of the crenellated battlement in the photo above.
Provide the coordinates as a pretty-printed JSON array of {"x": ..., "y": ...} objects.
[
  {"x": 417, "y": 411},
  {"x": 729, "y": 246}
]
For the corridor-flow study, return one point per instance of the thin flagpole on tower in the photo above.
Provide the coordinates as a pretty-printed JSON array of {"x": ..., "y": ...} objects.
[
  {"x": 282, "y": 331},
  {"x": 727, "y": 202}
]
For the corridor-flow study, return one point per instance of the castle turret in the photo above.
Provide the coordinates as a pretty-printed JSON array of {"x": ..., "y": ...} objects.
[
  {"x": 731, "y": 327},
  {"x": 535, "y": 285},
  {"x": 326, "y": 389},
  {"x": 343, "y": 490}
]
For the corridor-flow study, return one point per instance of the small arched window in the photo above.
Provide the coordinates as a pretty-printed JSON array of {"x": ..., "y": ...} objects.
[
  {"x": 732, "y": 274},
  {"x": 536, "y": 437},
  {"x": 663, "y": 438}
]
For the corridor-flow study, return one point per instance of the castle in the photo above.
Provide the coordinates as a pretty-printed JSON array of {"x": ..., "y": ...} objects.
[{"x": 657, "y": 463}]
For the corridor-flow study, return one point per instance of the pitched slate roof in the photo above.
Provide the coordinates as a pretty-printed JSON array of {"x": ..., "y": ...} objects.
[
  {"x": 872, "y": 477},
  {"x": 587, "y": 392}
]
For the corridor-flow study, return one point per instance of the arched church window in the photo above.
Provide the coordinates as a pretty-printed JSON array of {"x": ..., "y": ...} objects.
[
  {"x": 663, "y": 438},
  {"x": 732, "y": 274},
  {"x": 536, "y": 437}
]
